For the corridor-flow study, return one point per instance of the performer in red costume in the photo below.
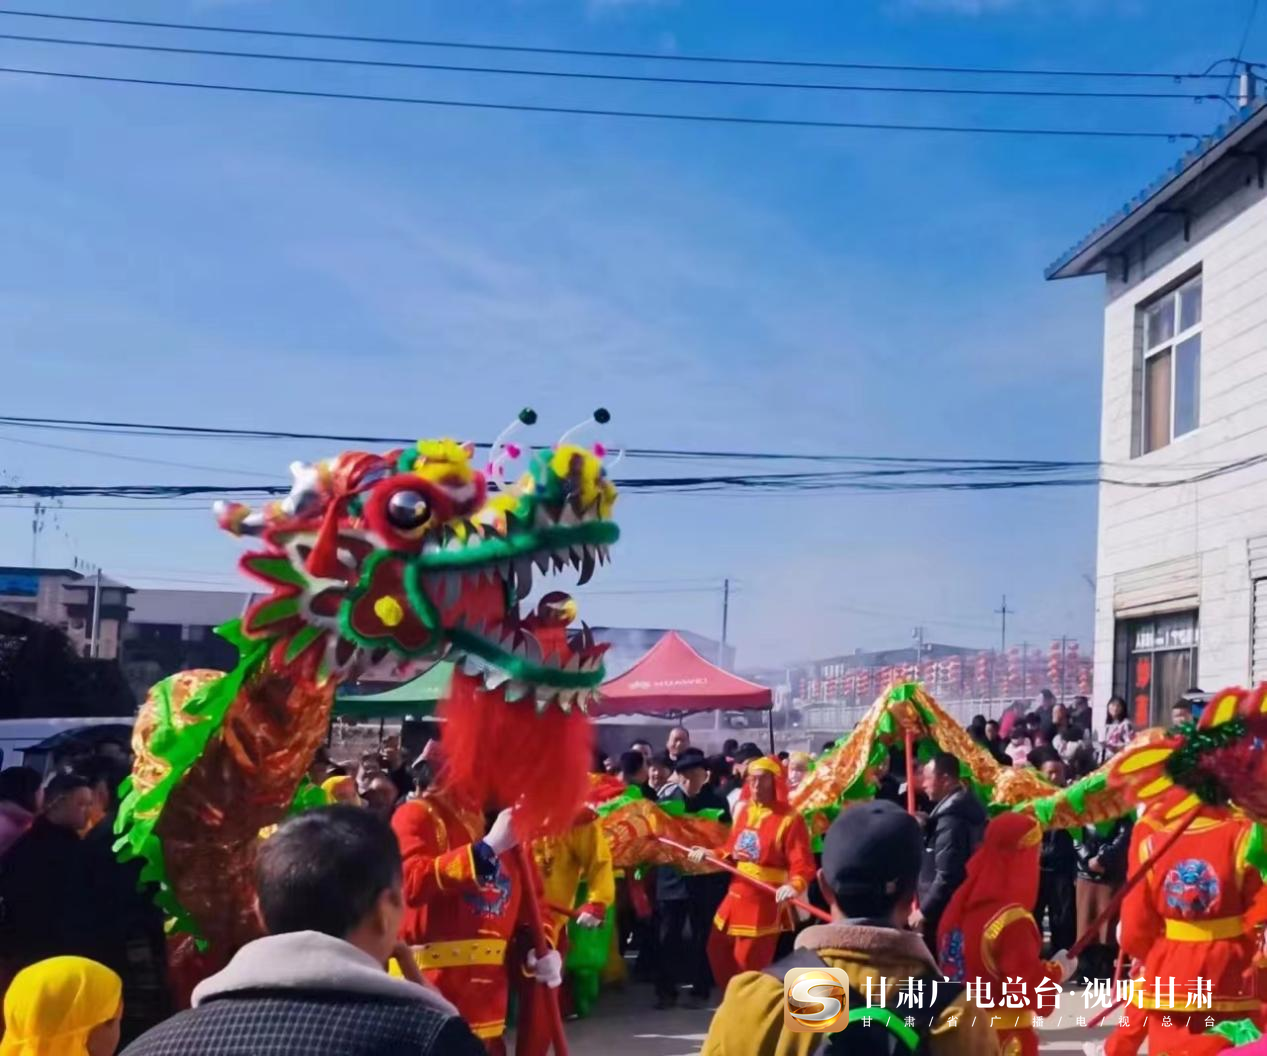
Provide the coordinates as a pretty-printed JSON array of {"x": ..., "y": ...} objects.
[
  {"x": 463, "y": 908},
  {"x": 987, "y": 931},
  {"x": 1191, "y": 918},
  {"x": 769, "y": 842}
]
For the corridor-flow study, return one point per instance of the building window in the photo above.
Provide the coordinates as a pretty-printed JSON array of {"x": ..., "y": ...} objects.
[
  {"x": 1171, "y": 376},
  {"x": 1156, "y": 664}
]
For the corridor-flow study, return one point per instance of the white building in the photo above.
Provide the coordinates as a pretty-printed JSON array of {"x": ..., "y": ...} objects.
[{"x": 1181, "y": 580}]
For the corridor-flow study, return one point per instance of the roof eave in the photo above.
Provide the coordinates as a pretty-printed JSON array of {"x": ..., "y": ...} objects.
[{"x": 1089, "y": 257}]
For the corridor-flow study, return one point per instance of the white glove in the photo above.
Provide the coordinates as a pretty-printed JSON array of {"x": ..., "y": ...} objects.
[
  {"x": 501, "y": 835},
  {"x": 784, "y": 894},
  {"x": 547, "y": 969},
  {"x": 697, "y": 855},
  {"x": 588, "y": 920},
  {"x": 1065, "y": 963}
]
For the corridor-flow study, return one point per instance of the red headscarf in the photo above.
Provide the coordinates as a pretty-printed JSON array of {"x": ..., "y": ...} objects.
[{"x": 1003, "y": 871}]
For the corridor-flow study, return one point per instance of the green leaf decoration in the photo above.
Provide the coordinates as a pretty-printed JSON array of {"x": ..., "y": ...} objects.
[
  {"x": 139, "y": 813},
  {"x": 301, "y": 641},
  {"x": 277, "y": 569},
  {"x": 1044, "y": 809},
  {"x": 1256, "y": 850},
  {"x": 1237, "y": 1031},
  {"x": 275, "y": 612}
]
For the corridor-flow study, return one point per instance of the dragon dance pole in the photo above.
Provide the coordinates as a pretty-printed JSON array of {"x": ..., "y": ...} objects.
[
  {"x": 769, "y": 889},
  {"x": 528, "y": 869},
  {"x": 1106, "y": 914},
  {"x": 909, "y": 734}
]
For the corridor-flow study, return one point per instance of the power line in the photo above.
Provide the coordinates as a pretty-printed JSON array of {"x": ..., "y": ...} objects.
[
  {"x": 725, "y": 119},
  {"x": 802, "y": 481},
  {"x": 598, "y": 54},
  {"x": 98, "y": 453},
  {"x": 1240, "y": 50},
  {"x": 619, "y": 77},
  {"x": 153, "y": 429}
]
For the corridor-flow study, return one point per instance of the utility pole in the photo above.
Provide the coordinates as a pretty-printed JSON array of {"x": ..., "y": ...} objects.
[
  {"x": 918, "y": 635},
  {"x": 96, "y": 617},
  {"x": 725, "y": 619},
  {"x": 37, "y": 512},
  {"x": 721, "y": 651},
  {"x": 1003, "y": 611},
  {"x": 1063, "y": 640}
]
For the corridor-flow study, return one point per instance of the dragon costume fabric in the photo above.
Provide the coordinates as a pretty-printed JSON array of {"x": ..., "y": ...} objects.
[{"x": 394, "y": 560}]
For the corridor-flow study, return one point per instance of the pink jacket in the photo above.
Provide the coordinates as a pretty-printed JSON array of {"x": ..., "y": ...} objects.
[{"x": 14, "y": 821}]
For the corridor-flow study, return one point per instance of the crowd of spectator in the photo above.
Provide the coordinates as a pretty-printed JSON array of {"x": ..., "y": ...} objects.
[{"x": 329, "y": 888}]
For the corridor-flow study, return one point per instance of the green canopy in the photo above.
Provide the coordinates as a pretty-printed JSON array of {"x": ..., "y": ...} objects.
[{"x": 417, "y": 698}]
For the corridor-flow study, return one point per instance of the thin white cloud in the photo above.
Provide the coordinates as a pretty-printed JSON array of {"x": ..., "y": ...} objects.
[
  {"x": 983, "y": 8},
  {"x": 605, "y": 7}
]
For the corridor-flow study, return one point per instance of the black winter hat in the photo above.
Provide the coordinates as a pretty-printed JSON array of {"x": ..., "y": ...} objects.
[{"x": 873, "y": 847}]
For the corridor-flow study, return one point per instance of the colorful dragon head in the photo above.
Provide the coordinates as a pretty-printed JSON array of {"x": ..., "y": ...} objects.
[{"x": 416, "y": 555}]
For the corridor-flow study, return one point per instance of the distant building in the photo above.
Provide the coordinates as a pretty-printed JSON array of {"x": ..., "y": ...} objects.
[
  {"x": 832, "y": 693},
  {"x": 1181, "y": 563},
  {"x": 174, "y": 630},
  {"x": 63, "y": 598}
]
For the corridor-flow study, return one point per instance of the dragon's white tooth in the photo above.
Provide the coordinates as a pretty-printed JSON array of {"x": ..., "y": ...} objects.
[
  {"x": 496, "y": 677},
  {"x": 517, "y": 690},
  {"x": 431, "y": 546},
  {"x": 541, "y": 706},
  {"x": 472, "y": 665},
  {"x": 573, "y": 664},
  {"x": 565, "y": 702},
  {"x": 583, "y": 703}
]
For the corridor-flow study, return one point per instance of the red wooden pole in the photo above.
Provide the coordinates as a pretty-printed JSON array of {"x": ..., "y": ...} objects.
[
  {"x": 910, "y": 770},
  {"x": 1106, "y": 914},
  {"x": 813, "y": 911},
  {"x": 528, "y": 869}
]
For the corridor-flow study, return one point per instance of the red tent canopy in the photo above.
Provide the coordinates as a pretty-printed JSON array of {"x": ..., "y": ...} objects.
[{"x": 673, "y": 678}]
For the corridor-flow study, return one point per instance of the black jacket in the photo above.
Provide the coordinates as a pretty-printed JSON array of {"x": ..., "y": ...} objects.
[
  {"x": 1058, "y": 855},
  {"x": 953, "y": 831},
  {"x": 305, "y": 994},
  {"x": 1110, "y": 849},
  {"x": 47, "y": 882},
  {"x": 670, "y": 885}
]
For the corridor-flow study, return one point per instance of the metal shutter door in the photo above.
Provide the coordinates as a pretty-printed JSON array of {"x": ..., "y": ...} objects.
[{"x": 1258, "y": 643}]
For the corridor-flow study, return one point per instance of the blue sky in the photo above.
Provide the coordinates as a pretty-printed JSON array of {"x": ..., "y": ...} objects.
[{"x": 334, "y": 266}]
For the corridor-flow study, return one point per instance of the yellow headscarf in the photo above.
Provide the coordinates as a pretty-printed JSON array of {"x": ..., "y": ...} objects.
[
  {"x": 51, "y": 1007},
  {"x": 328, "y": 786}
]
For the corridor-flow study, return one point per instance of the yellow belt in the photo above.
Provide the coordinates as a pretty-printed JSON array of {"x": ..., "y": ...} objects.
[
  {"x": 768, "y": 874},
  {"x": 459, "y": 953},
  {"x": 1204, "y": 930}
]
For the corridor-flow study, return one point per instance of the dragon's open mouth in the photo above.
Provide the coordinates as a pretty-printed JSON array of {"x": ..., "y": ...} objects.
[{"x": 476, "y": 581}]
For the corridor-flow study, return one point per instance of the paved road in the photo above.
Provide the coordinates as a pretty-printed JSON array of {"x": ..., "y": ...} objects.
[{"x": 625, "y": 1024}]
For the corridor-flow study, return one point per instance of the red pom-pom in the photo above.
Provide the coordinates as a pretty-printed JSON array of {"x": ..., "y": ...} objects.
[{"x": 500, "y": 753}]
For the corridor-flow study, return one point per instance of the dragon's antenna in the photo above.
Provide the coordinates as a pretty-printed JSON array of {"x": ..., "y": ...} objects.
[
  {"x": 601, "y": 416},
  {"x": 503, "y": 451}
]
